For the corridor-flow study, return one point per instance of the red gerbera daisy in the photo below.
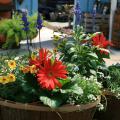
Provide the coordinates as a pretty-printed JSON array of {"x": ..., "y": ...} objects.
[
  {"x": 44, "y": 54},
  {"x": 100, "y": 41},
  {"x": 47, "y": 75}
]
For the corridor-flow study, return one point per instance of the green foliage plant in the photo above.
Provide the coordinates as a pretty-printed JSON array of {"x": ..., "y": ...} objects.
[
  {"x": 114, "y": 79},
  {"x": 75, "y": 89},
  {"x": 12, "y": 30},
  {"x": 80, "y": 55}
]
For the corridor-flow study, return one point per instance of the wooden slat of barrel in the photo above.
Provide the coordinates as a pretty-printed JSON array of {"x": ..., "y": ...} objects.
[{"x": 5, "y": 14}]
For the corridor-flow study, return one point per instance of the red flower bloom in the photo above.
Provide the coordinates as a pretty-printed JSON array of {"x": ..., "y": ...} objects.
[
  {"x": 35, "y": 62},
  {"x": 44, "y": 54},
  {"x": 100, "y": 41},
  {"x": 104, "y": 52},
  {"x": 47, "y": 75}
]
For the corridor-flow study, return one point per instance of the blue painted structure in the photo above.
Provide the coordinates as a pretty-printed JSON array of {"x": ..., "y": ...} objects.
[
  {"x": 87, "y": 5},
  {"x": 30, "y": 5}
]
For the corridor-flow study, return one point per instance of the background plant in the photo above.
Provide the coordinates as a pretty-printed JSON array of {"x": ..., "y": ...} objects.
[
  {"x": 80, "y": 55},
  {"x": 114, "y": 81},
  {"x": 12, "y": 30}
]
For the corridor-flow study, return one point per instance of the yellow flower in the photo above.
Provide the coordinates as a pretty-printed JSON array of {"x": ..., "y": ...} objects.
[
  {"x": 56, "y": 38},
  {"x": 32, "y": 69},
  {"x": 11, "y": 77},
  {"x": 25, "y": 69},
  {"x": 33, "y": 56},
  {"x": 4, "y": 79},
  {"x": 12, "y": 64}
]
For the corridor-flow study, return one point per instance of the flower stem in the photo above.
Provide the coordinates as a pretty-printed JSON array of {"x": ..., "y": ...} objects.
[
  {"x": 28, "y": 43},
  {"x": 39, "y": 39}
]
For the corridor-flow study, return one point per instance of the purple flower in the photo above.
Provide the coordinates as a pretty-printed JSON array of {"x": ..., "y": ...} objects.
[
  {"x": 78, "y": 9},
  {"x": 25, "y": 22},
  {"x": 94, "y": 11},
  {"x": 39, "y": 22},
  {"x": 78, "y": 13},
  {"x": 94, "y": 16},
  {"x": 26, "y": 28}
]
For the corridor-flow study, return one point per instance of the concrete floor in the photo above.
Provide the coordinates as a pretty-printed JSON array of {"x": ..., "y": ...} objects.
[
  {"x": 46, "y": 42},
  {"x": 114, "y": 57}
]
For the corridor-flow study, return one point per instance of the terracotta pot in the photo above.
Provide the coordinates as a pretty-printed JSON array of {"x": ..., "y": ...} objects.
[
  {"x": 2, "y": 40},
  {"x": 113, "y": 108},
  {"x": 18, "y": 111},
  {"x": 5, "y": 1},
  {"x": 7, "y": 14}
]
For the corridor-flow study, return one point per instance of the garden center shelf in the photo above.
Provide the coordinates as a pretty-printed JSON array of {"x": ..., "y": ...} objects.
[{"x": 116, "y": 29}]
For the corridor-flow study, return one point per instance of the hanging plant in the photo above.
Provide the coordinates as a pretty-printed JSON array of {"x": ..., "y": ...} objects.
[{"x": 20, "y": 1}]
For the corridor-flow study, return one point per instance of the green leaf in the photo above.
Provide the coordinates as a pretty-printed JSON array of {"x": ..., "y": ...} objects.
[
  {"x": 73, "y": 88},
  {"x": 93, "y": 72},
  {"x": 74, "y": 57},
  {"x": 17, "y": 40},
  {"x": 93, "y": 55},
  {"x": 72, "y": 50},
  {"x": 93, "y": 64},
  {"x": 53, "y": 102}
]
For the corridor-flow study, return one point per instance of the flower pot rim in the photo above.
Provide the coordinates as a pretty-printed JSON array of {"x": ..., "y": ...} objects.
[
  {"x": 108, "y": 92},
  {"x": 41, "y": 107}
]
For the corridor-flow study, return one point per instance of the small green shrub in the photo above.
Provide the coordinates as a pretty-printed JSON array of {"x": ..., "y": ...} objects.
[{"x": 12, "y": 30}]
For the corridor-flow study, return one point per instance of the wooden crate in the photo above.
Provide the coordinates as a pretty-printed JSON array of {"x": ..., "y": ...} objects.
[{"x": 93, "y": 24}]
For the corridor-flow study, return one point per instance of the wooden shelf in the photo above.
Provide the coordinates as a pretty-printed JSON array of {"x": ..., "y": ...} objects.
[{"x": 116, "y": 29}]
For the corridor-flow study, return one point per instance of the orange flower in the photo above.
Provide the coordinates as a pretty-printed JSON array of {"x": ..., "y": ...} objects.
[
  {"x": 11, "y": 77},
  {"x": 33, "y": 69},
  {"x": 25, "y": 69},
  {"x": 12, "y": 64}
]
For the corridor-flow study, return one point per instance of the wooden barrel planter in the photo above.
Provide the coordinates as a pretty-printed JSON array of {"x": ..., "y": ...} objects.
[
  {"x": 6, "y": 14},
  {"x": 17, "y": 111},
  {"x": 3, "y": 40},
  {"x": 112, "y": 111}
]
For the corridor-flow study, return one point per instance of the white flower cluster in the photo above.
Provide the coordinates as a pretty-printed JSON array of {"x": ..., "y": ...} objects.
[
  {"x": 100, "y": 106},
  {"x": 99, "y": 84},
  {"x": 118, "y": 95},
  {"x": 91, "y": 78},
  {"x": 16, "y": 58},
  {"x": 91, "y": 97}
]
